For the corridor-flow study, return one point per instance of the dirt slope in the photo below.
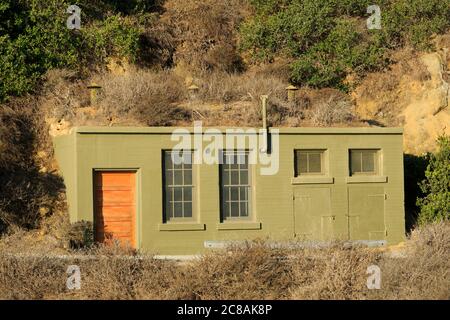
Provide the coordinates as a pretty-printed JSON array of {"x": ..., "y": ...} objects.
[{"x": 413, "y": 94}]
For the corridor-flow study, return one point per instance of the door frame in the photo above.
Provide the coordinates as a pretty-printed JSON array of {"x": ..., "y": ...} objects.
[{"x": 137, "y": 200}]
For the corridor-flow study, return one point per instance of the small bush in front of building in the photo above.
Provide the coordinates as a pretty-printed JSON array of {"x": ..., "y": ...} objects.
[{"x": 81, "y": 235}]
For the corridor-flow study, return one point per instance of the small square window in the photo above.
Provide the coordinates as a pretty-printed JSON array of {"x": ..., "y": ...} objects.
[
  {"x": 364, "y": 161},
  {"x": 309, "y": 162}
]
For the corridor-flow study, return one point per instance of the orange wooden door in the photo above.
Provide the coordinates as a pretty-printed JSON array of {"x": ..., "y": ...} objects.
[{"x": 115, "y": 206}]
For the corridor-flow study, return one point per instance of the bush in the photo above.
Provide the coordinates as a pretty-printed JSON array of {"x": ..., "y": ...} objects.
[
  {"x": 334, "y": 110},
  {"x": 146, "y": 97},
  {"x": 435, "y": 205},
  {"x": 115, "y": 36},
  {"x": 254, "y": 270},
  {"x": 33, "y": 38},
  {"x": 205, "y": 33},
  {"x": 81, "y": 235},
  {"x": 328, "y": 40}
]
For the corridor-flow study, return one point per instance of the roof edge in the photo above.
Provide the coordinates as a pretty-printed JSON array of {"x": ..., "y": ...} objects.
[{"x": 281, "y": 130}]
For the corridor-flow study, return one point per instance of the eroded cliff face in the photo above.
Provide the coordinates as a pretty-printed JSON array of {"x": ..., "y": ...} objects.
[{"x": 414, "y": 93}]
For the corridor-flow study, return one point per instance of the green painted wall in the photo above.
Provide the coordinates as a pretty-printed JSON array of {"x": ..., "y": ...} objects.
[{"x": 334, "y": 207}]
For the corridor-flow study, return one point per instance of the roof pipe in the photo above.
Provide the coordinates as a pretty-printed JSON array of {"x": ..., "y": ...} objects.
[{"x": 265, "y": 144}]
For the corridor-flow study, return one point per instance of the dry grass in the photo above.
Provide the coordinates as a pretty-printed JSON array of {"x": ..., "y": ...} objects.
[
  {"x": 425, "y": 271},
  {"x": 337, "y": 272},
  {"x": 205, "y": 33},
  {"x": 334, "y": 110},
  {"x": 253, "y": 271},
  {"x": 145, "y": 96}
]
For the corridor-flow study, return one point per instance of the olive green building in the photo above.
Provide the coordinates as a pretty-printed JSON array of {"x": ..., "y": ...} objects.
[{"x": 329, "y": 183}]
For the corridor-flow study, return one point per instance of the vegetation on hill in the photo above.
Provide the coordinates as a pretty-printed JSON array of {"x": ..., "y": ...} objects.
[
  {"x": 328, "y": 40},
  {"x": 435, "y": 205},
  {"x": 34, "y": 38},
  {"x": 324, "y": 41}
]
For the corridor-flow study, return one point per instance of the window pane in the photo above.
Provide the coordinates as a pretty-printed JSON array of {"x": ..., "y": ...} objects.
[
  {"x": 315, "y": 164},
  {"x": 228, "y": 159},
  {"x": 187, "y": 177},
  {"x": 188, "y": 209},
  {"x": 168, "y": 177},
  {"x": 234, "y": 193},
  {"x": 226, "y": 209},
  {"x": 234, "y": 163},
  {"x": 302, "y": 162},
  {"x": 178, "y": 210},
  {"x": 177, "y": 194},
  {"x": 242, "y": 158},
  {"x": 187, "y": 194},
  {"x": 234, "y": 178},
  {"x": 187, "y": 159},
  {"x": 243, "y": 193},
  {"x": 168, "y": 204},
  {"x": 368, "y": 161},
  {"x": 244, "y": 177},
  {"x": 244, "y": 211},
  {"x": 355, "y": 161},
  {"x": 225, "y": 177},
  {"x": 178, "y": 177},
  {"x": 308, "y": 161},
  {"x": 226, "y": 193},
  {"x": 176, "y": 158},
  {"x": 167, "y": 160},
  {"x": 234, "y": 209},
  {"x": 168, "y": 194}
]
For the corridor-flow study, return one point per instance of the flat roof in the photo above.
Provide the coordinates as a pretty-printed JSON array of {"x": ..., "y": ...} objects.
[{"x": 245, "y": 130}]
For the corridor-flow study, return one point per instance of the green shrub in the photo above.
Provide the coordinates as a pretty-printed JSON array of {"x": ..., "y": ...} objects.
[
  {"x": 435, "y": 206},
  {"x": 328, "y": 39},
  {"x": 34, "y": 38},
  {"x": 115, "y": 36},
  {"x": 328, "y": 62},
  {"x": 81, "y": 235}
]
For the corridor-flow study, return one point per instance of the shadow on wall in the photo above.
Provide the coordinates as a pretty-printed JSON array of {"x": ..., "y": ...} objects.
[
  {"x": 414, "y": 167},
  {"x": 27, "y": 192}
]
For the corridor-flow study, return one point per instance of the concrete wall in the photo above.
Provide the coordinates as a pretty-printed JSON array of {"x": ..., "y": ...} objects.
[{"x": 282, "y": 206}]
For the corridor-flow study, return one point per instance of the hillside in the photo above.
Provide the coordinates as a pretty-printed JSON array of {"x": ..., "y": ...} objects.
[{"x": 145, "y": 54}]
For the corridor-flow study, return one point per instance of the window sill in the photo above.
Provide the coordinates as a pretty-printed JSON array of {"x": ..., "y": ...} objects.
[
  {"x": 312, "y": 180},
  {"x": 239, "y": 226},
  {"x": 181, "y": 226},
  {"x": 367, "y": 179}
]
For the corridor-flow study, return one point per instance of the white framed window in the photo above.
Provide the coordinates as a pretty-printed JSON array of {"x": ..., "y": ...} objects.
[
  {"x": 235, "y": 185},
  {"x": 178, "y": 185}
]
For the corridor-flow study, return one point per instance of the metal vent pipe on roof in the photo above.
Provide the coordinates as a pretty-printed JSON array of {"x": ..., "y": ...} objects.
[
  {"x": 265, "y": 147},
  {"x": 93, "y": 92}
]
